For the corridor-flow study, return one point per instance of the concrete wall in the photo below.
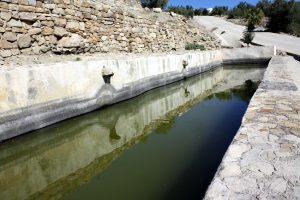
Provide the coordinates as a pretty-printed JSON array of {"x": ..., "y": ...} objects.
[{"x": 33, "y": 97}]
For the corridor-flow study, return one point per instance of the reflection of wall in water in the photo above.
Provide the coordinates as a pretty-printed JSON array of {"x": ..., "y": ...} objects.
[{"x": 102, "y": 133}]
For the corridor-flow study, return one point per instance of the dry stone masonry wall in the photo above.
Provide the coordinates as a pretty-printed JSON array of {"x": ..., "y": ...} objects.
[{"x": 80, "y": 26}]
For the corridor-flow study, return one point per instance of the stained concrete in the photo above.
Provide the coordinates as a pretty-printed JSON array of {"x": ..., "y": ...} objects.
[
  {"x": 33, "y": 97},
  {"x": 263, "y": 161}
]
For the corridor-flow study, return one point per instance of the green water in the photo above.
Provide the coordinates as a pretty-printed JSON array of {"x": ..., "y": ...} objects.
[{"x": 164, "y": 144}]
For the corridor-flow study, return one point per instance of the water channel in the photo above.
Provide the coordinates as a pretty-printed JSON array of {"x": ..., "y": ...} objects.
[{"x": 164, "y": 144}]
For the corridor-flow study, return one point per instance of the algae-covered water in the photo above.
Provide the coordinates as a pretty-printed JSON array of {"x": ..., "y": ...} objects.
[{"x": 164, "y": 144}]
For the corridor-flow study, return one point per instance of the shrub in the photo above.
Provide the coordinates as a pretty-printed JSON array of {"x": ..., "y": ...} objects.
[
  {"x": 154, "y": 3},
  {"x": 187, "y": 11},
  {"x": 220, "y": 10},
  {"x": 265, "y": 6},
  {"x": 248, "y": 37},
  {"x": 253, "y": 17},
  {"x": 285, "y": 16},
  {"x": 194, "y": 46},
  {"x": 239, "y": 11}
]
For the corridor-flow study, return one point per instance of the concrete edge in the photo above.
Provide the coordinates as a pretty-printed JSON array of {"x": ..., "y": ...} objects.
[{"x": 23, "y": 120}]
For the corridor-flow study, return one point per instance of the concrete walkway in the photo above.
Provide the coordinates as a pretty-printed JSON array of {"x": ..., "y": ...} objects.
[
  {"x": 230, "y": 35},
  {"x": 263, "y": 161}
]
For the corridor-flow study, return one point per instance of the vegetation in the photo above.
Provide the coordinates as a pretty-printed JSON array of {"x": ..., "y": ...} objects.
[
  {"x": 154, "y": 3},
  {"x": 187, "y": 11},
  {"x": 220, "y": 10},
  {"x": 284, "y": 16},
  {"x": 240, "y": 10},
  {"x": 248, "y": 37},
  {"x": 194, "y": 46},
  {"x": 253, "y": 17}
]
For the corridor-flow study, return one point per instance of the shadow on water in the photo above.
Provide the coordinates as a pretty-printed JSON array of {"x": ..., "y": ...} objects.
[{"x": 165, "y": 144}]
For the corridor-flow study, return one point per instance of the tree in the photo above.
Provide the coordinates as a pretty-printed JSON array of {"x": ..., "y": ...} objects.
[
  {"x": 198, "y": 11},
  {"x": 253, "y": 17},
  {"x": 187, "y": 11},
  {"x": 154, "y": 3},
  {"x": 205, "y": 12},
  {"x": 281, "y": 15},
  {"x": 239, "y": 11},
  {"x": 248, "y": 37},
  {"x": 265, "y": 6},
  {"x": 219, "y": 10}
]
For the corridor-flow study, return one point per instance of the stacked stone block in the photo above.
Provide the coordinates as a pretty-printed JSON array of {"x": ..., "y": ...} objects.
[{"x": 80, "y": 26}]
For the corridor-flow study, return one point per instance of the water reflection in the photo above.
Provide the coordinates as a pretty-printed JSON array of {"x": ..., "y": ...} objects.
[{"x": 54, "y": 161}]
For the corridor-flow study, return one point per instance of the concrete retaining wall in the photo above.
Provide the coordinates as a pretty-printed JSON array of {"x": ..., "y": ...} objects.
[{"x": 33, "y": 97}]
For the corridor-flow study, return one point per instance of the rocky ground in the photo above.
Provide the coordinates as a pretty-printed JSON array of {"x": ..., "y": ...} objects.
[{"x": 263, "y": 161}]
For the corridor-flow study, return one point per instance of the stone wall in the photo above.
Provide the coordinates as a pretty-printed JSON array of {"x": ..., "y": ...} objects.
[{"x": 79, "y": 26}]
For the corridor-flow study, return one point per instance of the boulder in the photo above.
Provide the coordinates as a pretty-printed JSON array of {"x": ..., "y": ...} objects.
[
  {"x": 157, "y": 10},
  {"x": 15, "y": 23},
  {"x": 24, "y": 41},
  {"x": 5, "y": 53},
  {"x": 28, "y": 16},
  {"x": 5, "y": 15},
  {"x": 48, "y": 31},
  {"x": 34, "y": 31},
  {"x": 60, "y": 22},
  {"x": 70, "y": 42},
  {"x": 73, "y": 26},
  {"x": 7, "y": 45},
  {"x": 60, "y": 32},
  {"x": 9, "y": 36}
]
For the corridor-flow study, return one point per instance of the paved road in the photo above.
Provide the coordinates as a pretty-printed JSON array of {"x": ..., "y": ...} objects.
[{"x": 234, "y": 32}]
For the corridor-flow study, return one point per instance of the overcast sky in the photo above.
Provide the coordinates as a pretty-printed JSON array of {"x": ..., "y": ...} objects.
[{"x": 209, "y": 3}]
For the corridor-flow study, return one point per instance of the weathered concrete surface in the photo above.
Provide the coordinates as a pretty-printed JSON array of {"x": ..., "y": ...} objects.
[
  {"x": 230, "y": 35},
  {"x": 33, "y": 97},
  {"x": 263, "y": 161}
]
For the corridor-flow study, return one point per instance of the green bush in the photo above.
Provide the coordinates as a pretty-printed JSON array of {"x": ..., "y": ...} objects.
[
  {"x": 154, "y": 3},
  {"x": 219, "y": 10},
  {"x": 194, "y": 46},
  {"x": 248, "y": 37},
  {"x": 187, "y": 11},
  {"x": 253, "y": 17},
  {"x": 285, "y": 16},
  {"x": 239, "y": 11}
]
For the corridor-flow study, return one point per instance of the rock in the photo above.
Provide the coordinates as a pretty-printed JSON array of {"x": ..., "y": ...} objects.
[
  {"x": 5, "y": 16},
  {"x": 104, "y": 38},
  {"x": 7, "y": 45},
  {"x": 173, "y": 14},
  {"x": 29, "y": 16},
  {"x": 73, "y": 26},
  {"x": 24, "y": 41},
  {"x": 157, "y": 10},
  {"x": 5, "y": 53},
  {"x": 47, "y": 31},
  {"x": 60, "y": 22},
  {"x": 52, "y": 39},
  {"x": 81, "y": 26},
  {"x": 60, "y": 32},
  {"x": 9, "y": 36},
  {"x": 70, "y": 42},
  {"x": 15, "y": 52},
  {"x": 152, "y": 35},
  {"x": 36, "y": 50},
  {"x": 34, "y": 31},
  {"x": 15, "y": 23},
  {"x": 37, "y": 24}
]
